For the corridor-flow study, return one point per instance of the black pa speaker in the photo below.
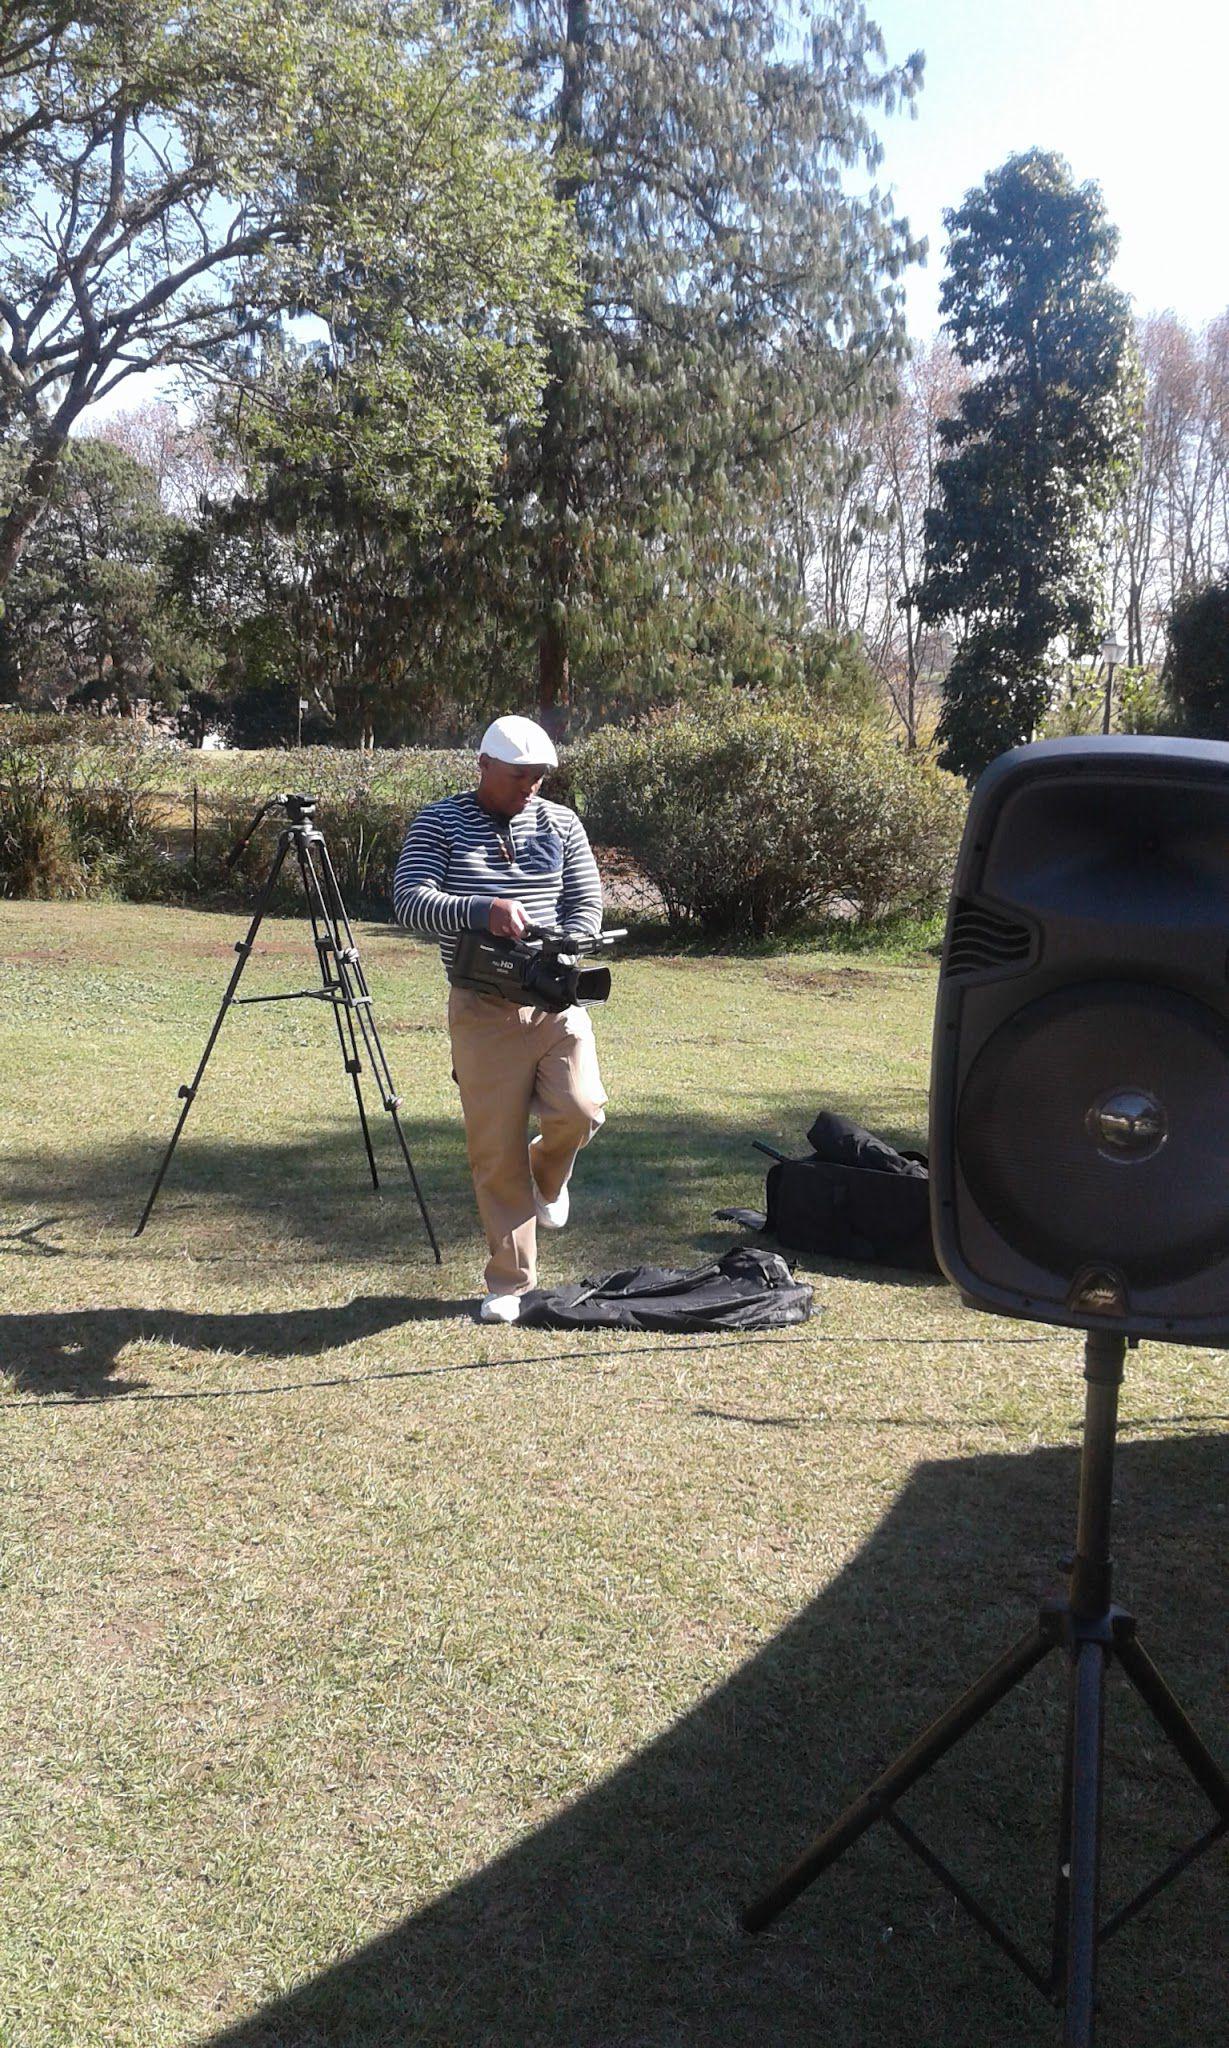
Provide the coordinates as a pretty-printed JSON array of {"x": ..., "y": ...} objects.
[{"x": 1079, "y": 1142}]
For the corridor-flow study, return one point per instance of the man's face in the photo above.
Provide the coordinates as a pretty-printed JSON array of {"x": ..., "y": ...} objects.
[{"x": 506, "y": 789}]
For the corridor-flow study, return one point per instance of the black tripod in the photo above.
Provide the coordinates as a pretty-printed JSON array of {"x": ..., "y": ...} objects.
[
  {"x": 1091, "y": 1631},
  {"x": 343, "y": 984}
]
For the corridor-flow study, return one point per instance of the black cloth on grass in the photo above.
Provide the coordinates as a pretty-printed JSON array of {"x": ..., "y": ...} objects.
[{"x": 742, "y": 1290}]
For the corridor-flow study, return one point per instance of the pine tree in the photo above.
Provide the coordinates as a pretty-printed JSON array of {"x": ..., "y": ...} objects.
[
  {"x": 1035, "y": 452},
  {"x": 737, "y": 290}
]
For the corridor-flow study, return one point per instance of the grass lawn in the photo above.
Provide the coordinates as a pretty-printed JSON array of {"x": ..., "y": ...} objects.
[{"x": 374, "y": 1677}]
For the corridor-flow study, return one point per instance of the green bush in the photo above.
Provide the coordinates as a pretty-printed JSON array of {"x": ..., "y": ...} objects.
[
  {"x": 82, "y": 732},
  {"x": 1196, "y": 668},
  {"x": 85, "y": 803},
  {"x": 366, "y": 801},
  {"x": 1141, "y": 703},
  {"x": 37, "y": 857},
  {"x": 749, "y": 821},
  {"x": 70, "y": 831}
]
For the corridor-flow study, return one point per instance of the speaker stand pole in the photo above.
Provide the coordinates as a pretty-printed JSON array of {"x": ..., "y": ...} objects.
[{"x": 1092, "y": 1632}]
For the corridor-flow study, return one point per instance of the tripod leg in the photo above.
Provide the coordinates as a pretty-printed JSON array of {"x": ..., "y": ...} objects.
[
  {"x": 329, "y": 945},
  {"x": 1084, "y": 1847},
  {"x": 188, "y": 1092},
  {"x": 418, "y": 1194},
  {"x": 913, "y": 1764},
  {"x": 349, "y": 962}
]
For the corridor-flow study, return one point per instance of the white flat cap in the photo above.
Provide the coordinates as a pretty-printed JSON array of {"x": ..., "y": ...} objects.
[{"x": 520, "y": 743}]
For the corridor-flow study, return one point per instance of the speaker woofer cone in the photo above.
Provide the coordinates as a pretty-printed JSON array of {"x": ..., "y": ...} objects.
[{"x": 1086, "y": 1126}]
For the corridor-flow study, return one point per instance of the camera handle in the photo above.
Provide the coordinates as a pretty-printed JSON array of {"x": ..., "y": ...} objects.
[{"x": 553, "y": 939}]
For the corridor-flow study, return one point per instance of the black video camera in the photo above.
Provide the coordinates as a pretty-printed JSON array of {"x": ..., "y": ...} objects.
[{"x": 542, "y": 969}]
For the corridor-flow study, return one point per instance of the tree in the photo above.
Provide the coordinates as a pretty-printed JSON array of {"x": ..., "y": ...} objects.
[
  {"x": 909, "y": 653},
  {"x": 90, "y": 616},
  {"x": 326, "y": 610},
  {"x": 853, "y": 519},
  {"x": 181, "y": 454},
  {"x": 1035, "y": 450},
  {"x": 1196, "y": 671},
  {"x": 738, "y": 288},
  {"x": 178, "y": 176}
]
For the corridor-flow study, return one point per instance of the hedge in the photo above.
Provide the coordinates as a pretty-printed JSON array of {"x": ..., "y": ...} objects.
[
  {"x": 85, "y": 811},
  {"x": 751, "y": 822},
  {"x": 748, "y": 822}
]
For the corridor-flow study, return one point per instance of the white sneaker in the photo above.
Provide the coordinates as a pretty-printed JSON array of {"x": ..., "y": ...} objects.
[
  {"x": 499, "y": 1308},
  {"x": 551, "y": 1215}
]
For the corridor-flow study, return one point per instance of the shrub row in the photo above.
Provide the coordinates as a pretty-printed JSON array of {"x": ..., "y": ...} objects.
[
  {"x": 747, "y": 822},
  {"x": 86, "y": 809},
  {"x": 365, "y": 803},
  {"x": 64, "y": 834}
]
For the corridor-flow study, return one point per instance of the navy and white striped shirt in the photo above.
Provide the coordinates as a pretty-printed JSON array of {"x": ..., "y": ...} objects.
[{"x": 457, "y": 858}]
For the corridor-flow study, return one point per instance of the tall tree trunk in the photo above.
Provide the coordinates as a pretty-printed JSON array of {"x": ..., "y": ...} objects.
[
  {"x": 554, "y": 677},
  {"x": 554, "y": 674},
  {"x": 1135, "y": 625},
  {"x": 33, "y": 493}
]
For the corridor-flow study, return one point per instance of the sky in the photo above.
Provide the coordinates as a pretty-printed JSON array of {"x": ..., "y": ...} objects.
[{"x": 1132, "y": 92}]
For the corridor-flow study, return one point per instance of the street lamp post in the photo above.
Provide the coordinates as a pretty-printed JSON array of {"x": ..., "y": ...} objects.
[{"x": 1112, "y": 651}]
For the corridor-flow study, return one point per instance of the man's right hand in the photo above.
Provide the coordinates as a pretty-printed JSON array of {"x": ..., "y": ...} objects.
[{"x": 508, "y": 919}]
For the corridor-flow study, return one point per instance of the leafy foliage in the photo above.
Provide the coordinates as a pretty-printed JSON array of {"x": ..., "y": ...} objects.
[
  {"x": 748, "y": 821},
  {"x": 90, "y": 616},
  {"x": 737, "y": 288},
  {"x": 1196, "y": 668},
  {"x": 1141, "y": 703},
  {"x": 1036, "y": 448},
  {"x": 365, "y": 803},
  {"x": 76, "y": 818},
  {"x": 179, "y": 176}
]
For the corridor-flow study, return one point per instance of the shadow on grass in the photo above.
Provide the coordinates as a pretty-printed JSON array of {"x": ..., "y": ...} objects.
[
  {"x": 641, "y": 1193},
  {"x": 75, "y": 1352},
  {"x": 615, "y": 1925},
  {"x": 652, "y": 1176}
]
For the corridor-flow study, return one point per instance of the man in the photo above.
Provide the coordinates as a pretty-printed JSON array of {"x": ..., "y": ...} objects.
[{"x": 499, "y": 859}]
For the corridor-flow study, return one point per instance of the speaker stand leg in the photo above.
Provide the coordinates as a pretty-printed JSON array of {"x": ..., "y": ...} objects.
[
  {"x": 874, "y": 1804},
  {"x": 1092, "y": 1632},
  {"x": 1087, "y": 1723}
]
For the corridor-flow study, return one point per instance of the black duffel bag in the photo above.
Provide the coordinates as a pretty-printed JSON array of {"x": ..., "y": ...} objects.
[{"x": 854, "y": 1197}]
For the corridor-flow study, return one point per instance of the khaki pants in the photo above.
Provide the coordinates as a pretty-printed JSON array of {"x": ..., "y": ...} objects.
[{"x": 507, "y": 1061}]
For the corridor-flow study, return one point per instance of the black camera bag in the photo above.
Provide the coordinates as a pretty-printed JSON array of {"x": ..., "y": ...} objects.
[{"x": 854, "y": 1197}]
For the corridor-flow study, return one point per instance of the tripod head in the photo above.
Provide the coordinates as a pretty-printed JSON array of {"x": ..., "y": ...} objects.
[{"x": 299, "y": 812}]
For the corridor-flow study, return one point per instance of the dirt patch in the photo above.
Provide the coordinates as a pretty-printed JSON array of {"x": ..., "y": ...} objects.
[
  {"x": 834, "y": 982},
  {"x": 36, "y": 956},
  {"x": 625, "y": 886}
]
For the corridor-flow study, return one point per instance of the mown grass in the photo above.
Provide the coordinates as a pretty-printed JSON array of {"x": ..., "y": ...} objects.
[{"x": 376, "y": 1677}]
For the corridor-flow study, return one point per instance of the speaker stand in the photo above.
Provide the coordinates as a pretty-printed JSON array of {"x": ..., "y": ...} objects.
[{"x": 1082, "y": 1623}]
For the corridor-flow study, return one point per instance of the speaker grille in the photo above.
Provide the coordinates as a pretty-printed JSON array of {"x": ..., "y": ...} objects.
[
  {"x": 984, "y": 939},
  {"x": 1094, "y": 1125}
]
